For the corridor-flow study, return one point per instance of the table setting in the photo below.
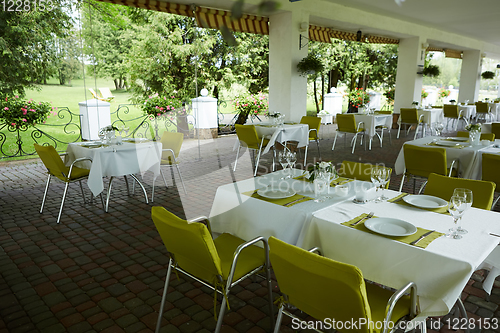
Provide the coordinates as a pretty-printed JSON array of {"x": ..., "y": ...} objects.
[{"x": 371, "y": 121}]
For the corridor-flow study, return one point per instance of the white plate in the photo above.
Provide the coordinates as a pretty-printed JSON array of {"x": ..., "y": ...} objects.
[
  {"x": 135, "y": 139},
  {"x": 274, "y": 193},
  {"x": 425, "y": 201},
  {"x": 390, "y": 227},
  {"x": 447, "y": 143},
  {"x": 458, "y": 138}
]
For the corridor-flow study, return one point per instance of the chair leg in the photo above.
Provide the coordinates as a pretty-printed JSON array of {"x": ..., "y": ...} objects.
[
  {"x": 278, "y": 320},
  {"x": 236, "y": 161},
  {"x": 83, "y": 194},
  {"x": 269, "y": 289},
  {"x": 220, "y": 319},
  {"x": 257, "y": 162},
  {"x": 317, "y": 144},
  {"x": 495, "y": 202},
  {"x": 421, "y": 187},
  {"x": 45, "y": 193},
  {"x": 463, "y": 312},
  {"x": 128, "y": 187},
  {"x": 390, "y": 136},
  {"x": 416, "y": 132},
  {"x": 180, "y": 176},
  {"x": 305, "y": 156},
  {"x": 335, "y": 140},
  {"x": 354, "y": 143},
  {"x": 62, "y": 202},
  {"x": 164, "y": 297},
  {"x": 399, "y": 130},
  {"x": 402, "y": 181},
  {"x": 108, "y": 194}
]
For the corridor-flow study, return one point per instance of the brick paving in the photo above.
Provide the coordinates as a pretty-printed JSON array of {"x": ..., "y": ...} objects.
[{"x": 104, "y": 272}]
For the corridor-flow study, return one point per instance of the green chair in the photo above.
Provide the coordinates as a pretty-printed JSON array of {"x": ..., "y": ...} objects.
[
  {"x": 452, "y": 112},
  {"x": 420, "y": 162},
  {"x": 219, "y": 263},
  {"x": 171, "y": 147},
  {"x": 484, "y": 136},
  {"x": 360, "y": 171},
  {"x": 324, "y": 288},
  {"x": 247, "y": 137},
  {"x": 56, "y": 168},
  {"x": 409, "y": 116},
  {"x": 495, "y": 129},
  {"x": 443, "y": 186},
  {"x": 483, "y": 111},
  {"x": 346, "y": 123},
  {"x": 314, "y": 124},
  {"x": 490, "y": 166}
]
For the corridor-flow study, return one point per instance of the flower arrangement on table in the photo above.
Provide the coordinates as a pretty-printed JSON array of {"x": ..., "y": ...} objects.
[
  {"x": 443, "y": 92},
  {"x": 273, "y": 115},
  {"x": 311, "y": 173},
  {"x": 18, "y": 112},
  {"x": 424, "y": 94},
  {"x": 156, "y": 105},
  {"x": 473, "y": 127},
  {"x": 452, "y": 101},
  {"x": 358, "y": 97}
]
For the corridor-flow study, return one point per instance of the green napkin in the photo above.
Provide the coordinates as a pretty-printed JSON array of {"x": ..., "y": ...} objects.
[
  {"x": 423, "y": 243},
  {"x": 335, "y": 182},
  {"x": 441, "y": 210},
  {"x": 286, "y": 202}
]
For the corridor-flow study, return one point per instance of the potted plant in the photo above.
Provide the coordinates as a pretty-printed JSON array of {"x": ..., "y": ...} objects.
[
  {"x": 431, "y": 70},
  {"x": 310, "y": 65},
  {"x": 20, "y": 113},
  {"x": 358, "y": 98},
  {"x": 250, "y": 104},
  {"x": 487, "y": 75}
]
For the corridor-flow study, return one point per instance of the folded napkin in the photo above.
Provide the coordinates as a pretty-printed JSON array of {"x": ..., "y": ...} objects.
[
  {"x": 286, "y": 202},
  {"x": 94, "y": 146},
  {"x": 458, "y": 146},
  {"x": 399, "y": 200},
  {"x": 423, "y": 243}
]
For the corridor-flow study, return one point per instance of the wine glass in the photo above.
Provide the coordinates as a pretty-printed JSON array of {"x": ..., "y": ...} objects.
[
  {"x": 282, "y": 158},
  {"x": 466, "y": 194},
  {"x": 383, "y": 178},
  {"x": 375, "y": 177},
  {"x": 438, "y": 128},
  {"x": 126, "y": 129},
  {"x": 456, "y": 208},
  {"x": 292, "y": 159}
]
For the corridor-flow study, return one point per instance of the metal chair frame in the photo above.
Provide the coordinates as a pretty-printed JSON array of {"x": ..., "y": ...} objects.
[
  {"x": 253, "y": 159},
  {"x": 455, "y": 161},
  {"x": 163, "y": 176},
  {"x": 420, "y": 123},
  {"x": 353, "y": 140},
  {"x": 172, "y": 264}
]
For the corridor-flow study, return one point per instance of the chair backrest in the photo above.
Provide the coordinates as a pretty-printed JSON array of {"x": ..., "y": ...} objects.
[
  {"x": 482, "y": 107},
  {"x": 360, "y": 171},
  {"x": 490, "y": 165},
  {"x": 443, "y": 187},
  {"x": 383, "y": 112},
  {"x": 495, "y": 128},
  {"x": 314, "y": 123},
  {"x": 450, "y": 110},
  {"x": 52, "y": 161},
  {"x": 94, "y": 94},
  {"x": 408, "y": 115},
  {"x": 247, "y": 134},
  {"x": 190, "y": 243},
  {"x": 334, "y": 289},
  {"x": 346, "y": 123},
  {"x": 437, "y": 106},
  {"x": 171, "y": 140},
  {"x": 484, "y": 136},
  {"x": 106, "y": 93},
  {"x": 421, "y": 161}
]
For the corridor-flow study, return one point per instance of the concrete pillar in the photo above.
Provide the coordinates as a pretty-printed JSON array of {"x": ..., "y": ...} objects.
[
  {"x": 408, "y": 82},
  {"x": 287, "y": 89},
  {"x": 470, "y": 75}
]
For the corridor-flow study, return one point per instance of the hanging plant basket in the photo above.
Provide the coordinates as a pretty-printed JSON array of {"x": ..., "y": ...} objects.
[
  {"x": 431, "y": 70},
  {"x": 310, "y": 65},
  {"x": 487, "y": 75}
]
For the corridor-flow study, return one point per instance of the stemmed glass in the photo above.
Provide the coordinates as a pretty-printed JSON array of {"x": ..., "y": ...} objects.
[
  {"x": 282, "y": 158},
  {"x": 456, "y": 208},
  {"x": 375, "y": 178},
  {"x": 438, "y": 128},
  {"x": 126, "y": 129},
  {"x": 383, "y": 178},
  {"x": 292, "y": 159},
  {"x": 467, "y": 197}
]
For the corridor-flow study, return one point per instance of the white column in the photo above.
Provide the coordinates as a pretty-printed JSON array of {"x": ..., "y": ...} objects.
[
  {"x": 470, "y": 75},
  {"x": 287, "y": 89},
  {"x": 408, "y": 82}
]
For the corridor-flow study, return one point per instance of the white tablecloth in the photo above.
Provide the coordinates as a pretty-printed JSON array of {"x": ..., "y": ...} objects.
[
  {"x": 468, "y": 111},
  {"x": 372, "y": 121},
  {"x": 476, "y": 170},
  {"x": 248, "y": 217},
  {"x": 466, "y": 156},
  {"x": 441, "y": 271},
  {"x": 287, "y": 132},
  {"x": 117, "y": 160},
  {"x": 432, "y": 116}
]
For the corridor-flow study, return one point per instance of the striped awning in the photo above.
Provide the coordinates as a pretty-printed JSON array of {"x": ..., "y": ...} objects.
[
  {"x": 448, "y": 53},
  {"x": 215, "y": 19},
  {"x": 342, "y": 35},
  {"x": 319, "y": 34}
]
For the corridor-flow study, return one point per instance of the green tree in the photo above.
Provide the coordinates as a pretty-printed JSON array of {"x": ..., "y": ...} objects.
[{"x": 26, "y": 51}]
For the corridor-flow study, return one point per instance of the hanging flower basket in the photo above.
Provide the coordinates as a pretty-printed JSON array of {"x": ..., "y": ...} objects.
[
  {"x": 310, "y": 65},
  {"x": 487, "y": 75},
  {"x": 431, "y": 70}
]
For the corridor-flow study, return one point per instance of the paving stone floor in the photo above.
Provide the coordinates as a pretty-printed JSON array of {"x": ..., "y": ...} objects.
[{"x": 104, "y": 272}]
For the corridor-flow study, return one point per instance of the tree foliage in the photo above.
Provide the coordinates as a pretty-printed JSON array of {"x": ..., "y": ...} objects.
[{"x": 26, "y": 52}]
